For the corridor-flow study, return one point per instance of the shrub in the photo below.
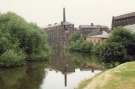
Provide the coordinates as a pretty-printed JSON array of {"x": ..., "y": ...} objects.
[
  {"x": 12, "y": 58},
  {"x": 113, "y": 52},
  {"x": 119, "y": 47},
  {"x": 124, "y": 37},
  {"x": 78, "y": 43}
]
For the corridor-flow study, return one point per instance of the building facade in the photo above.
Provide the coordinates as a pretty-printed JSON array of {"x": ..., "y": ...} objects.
[
  {"x": 90, "y": 30},
  {"x": 97, "y": 39},
  {"x": 58, "y": 34},
  {"x": 126, "y": 20}
]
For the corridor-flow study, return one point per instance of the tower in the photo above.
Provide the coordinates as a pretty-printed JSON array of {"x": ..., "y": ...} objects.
[
  {"x": 64, "y": 15},
  {"x": 113, "y": 23}
]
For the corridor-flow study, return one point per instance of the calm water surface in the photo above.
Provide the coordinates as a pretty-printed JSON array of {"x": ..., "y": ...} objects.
[
  {"x": 63, "y": 71},
  {"x": 58, "y": 80}
]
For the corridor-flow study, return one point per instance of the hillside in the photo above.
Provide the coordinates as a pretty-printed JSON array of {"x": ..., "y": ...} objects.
[{"x": 120, "y": 77}]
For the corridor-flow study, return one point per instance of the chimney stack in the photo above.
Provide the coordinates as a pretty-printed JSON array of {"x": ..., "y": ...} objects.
[{"x": 64, "y": 15}]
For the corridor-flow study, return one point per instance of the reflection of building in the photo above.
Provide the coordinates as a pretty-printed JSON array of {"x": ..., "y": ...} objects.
[
  {"x": 96, "y": 39},
  {"x": 61, "y": 62},
  {"x": 92, "y": 29},
  {"x": 126, "y": 20}
]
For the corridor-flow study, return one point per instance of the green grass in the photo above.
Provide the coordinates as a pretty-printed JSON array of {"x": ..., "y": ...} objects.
[
  {"x": 84, "y": 83},
  {"x": 120, "y": 77}
]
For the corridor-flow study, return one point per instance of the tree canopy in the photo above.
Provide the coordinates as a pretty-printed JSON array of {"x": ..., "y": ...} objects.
[
  {"x": 119, "y": 47},
  {"x": 20, "y": 40}
]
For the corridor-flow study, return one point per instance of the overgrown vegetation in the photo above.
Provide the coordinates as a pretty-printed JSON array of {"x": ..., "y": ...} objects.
[
  {"x": 119, "y": 47},
  {"x": 78, "y": 43},
  {"x": 20, "y": 40}
]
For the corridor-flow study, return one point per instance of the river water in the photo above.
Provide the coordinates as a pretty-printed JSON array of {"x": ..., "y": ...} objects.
[{"x": 62, "y": 71}]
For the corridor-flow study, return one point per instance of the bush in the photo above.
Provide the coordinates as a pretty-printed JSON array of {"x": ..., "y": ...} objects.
[
  {"x": 12, "y": 58},
  {"x": 113, "y": 52},
  {"x": 119, "y": 47},
  {"x": 78, "y": 43},
  {"x": 86, "y": 46},
  {"x": 124, "y": 37}
]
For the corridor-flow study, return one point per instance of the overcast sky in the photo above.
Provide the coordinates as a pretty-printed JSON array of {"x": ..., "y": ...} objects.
[{"x": 44, "y": 12}]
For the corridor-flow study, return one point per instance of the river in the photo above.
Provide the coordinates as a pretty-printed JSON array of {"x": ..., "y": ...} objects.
[{"x": 62, "y": 71}]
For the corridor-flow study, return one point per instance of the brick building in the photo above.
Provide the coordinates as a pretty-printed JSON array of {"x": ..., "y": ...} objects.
[
  {"x": 125, "y": 20},
  {"x": 58, "y": 33},
  {"x": 97, "y": 39},
  {"x": 90, "y": 30}
]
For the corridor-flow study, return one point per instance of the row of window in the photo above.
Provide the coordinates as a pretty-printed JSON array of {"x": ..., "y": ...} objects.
[{"x": 124, "y": 21}]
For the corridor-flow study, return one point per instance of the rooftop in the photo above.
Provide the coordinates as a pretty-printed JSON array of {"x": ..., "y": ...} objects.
[
  {"x": 103, "y": 35},
  {"x": 100, "y": 36},
  {"x": 124, "y": 16},
  {"x": 94, "y": 26},
  {"x": 67, "y": 23}
]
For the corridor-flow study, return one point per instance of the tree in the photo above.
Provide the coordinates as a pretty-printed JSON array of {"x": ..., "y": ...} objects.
[
  {"x": 21, "y": 39},
  {"x": 78, "y": 43},
  {"x": 113, "y": 52},
  {"x": 119, "y": 47},
  {"x": 124, "y": 37}
]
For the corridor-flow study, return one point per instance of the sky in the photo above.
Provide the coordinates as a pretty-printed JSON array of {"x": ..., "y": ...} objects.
[{"x": 79, "y": 12}]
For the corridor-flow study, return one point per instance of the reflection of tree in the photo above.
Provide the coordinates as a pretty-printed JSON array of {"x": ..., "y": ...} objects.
[
  {"x": 9, "y": 78},
  {"x": 34, "y": 75},
  {"x": 84, "y": 61},
  {"x": 29, "y": 77},
  {"x": 66, "y": 62},
  {"x": 62, "y": 58}
]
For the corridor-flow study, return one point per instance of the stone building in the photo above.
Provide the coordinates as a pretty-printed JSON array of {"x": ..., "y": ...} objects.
[
  {"x": 90, "y": 30},
  {"x": 58, "y": 33},
  {"x": 125, "y": 20},
  {"x": 97, "y": 39}
]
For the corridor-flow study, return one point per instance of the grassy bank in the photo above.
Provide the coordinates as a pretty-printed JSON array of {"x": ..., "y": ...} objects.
[{"x": 120, "y": 77}]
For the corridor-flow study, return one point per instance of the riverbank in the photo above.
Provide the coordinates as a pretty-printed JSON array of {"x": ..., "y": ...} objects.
[{"x": 120, "y": 77}]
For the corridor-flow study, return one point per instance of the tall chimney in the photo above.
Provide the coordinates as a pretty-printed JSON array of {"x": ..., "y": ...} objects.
[{"x": 64, "y": 15}]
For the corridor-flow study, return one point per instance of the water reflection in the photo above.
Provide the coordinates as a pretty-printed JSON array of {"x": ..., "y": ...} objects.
[
  {"x": 63, "y": 71},
  {"x": 56, "y": 80},
  {"x": 28, "y": 77},
  {"x": 67, "y": 63}
]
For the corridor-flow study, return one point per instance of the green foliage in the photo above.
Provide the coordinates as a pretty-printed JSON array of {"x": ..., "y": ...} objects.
[
  {"x": 86, "y": 47},
  {"x": 12, "y": 58},
  {"x": 77, "y": 43},
  {"x": 75, "y": 36},
  {"x": 120, "y": 46},
  {"x": 17, "y": 34},
  {"x": 125, "y": 38},
  {"x": 113, "y": 52}
]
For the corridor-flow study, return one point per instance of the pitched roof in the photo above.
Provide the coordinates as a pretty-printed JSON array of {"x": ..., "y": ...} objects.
[
  {"x": 100, "y": 36},
  {"x": 103, "y": 35}
]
